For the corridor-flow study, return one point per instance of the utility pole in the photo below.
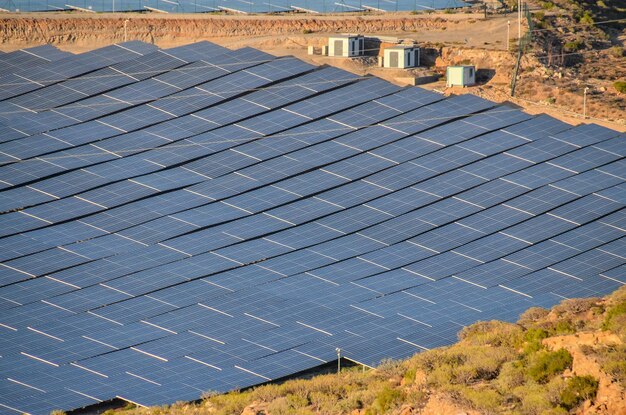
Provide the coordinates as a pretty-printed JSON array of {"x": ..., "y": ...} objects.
[
  {"x": 585, "y": 102},
  {"x": 338, "y": 350},
  {"x": 508, "y": 35},
  {"x": 519, "y": 20},
  {"x": 125, "y": 30}
]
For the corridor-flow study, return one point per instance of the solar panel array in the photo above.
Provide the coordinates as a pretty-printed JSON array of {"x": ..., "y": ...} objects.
[
  {"x": 193, "y": 219},
  {"x": 237, "y": 6}
]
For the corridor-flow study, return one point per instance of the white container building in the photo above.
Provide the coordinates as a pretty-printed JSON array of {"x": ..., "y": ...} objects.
[
  {"x": 346, "y": 45},
  {"x": 460, "y": 75},
  {"x": 401, "y": 56}
]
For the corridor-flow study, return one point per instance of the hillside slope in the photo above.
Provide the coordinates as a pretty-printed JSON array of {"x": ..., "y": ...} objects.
[{"x": 571, "y": 359}]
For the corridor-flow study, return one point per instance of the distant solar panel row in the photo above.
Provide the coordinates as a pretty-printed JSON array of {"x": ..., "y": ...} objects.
[
  {"x": 192, "y": 219},
  {"x": 238, "y": 6}
]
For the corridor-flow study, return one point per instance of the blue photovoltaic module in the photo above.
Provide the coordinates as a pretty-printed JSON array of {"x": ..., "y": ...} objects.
[{"x": 198, "y": 218}]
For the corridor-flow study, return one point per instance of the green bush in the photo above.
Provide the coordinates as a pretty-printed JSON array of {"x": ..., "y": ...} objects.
[
  {"x": 533, "y": 338},
  {"x": 547, "y": 5},
  {"x": 564, "y": 327},
  {"x": 586, "y": 19},
  {"x": 409, "y": 375},
  {"x": 578, "y": 389},
  {"x": 573, "y": 46},
  {"x": 544, "y": 365},
  {"x": 615, "y": 317},
  {"x": 484, "y": 399},
  {"x": 512, "y": 375},
  {"x": 616, "y": 51},
  {"x": 230, "y": 403},
  {"x": 297, "y": 400},
  {"x": 386, "y": 399},
  {"x": 492, "y": 333},
  {"x": 532, "y": 316},
  {"x": 533, "y": 399}
]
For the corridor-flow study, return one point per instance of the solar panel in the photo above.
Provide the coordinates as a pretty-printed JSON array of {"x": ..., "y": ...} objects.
[{"x": 233, "y": 218}]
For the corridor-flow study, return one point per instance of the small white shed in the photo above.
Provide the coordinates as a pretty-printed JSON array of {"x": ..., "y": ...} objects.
[
  {"x": 401, "y": 56},
  {"x": 346, "y": 45},
  {"x": 460, "y": 75}
]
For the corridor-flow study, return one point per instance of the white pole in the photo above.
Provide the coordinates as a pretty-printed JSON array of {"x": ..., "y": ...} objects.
[
  {"x": 508, "y": 35},
  {"x": 338, "y": 350},
  {"x": 125, "y": 31},
  {"x": 519, "y": 20},
  {"x": 585, "y": 102},
  {"x": 113, "y": 1}
]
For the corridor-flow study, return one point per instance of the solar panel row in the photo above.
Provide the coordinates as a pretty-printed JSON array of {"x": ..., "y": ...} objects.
[
  {"x": 206, "y": 219},
  {"x": 237, "y": 6}
]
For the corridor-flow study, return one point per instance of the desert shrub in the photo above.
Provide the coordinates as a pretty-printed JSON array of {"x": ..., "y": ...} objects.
[
  {"x": 575, "y": 305},
  {"x": 578, "y": 389},
  {"x": 57, "y": 412},
  {"x": 544, "y": 365},
  {"x": 586, "y": 19},
  {"x": 280, "y": 407},
  {"x": 573, "y": 45},
  {"x": 356, "y": 400},
  {"x": 564, "y": 327},
  {"x": 265, "y": 393},
  {"x": 512, "y": 375},
  {"x": 323, "y": 402},
  {"x": 463, "y": 365},
  {"x": 283, "y": 406},
  {"x": 618, "y": 296},
  {"x": 486, "y": 400},
  {"x": 409, "y": 375},
  {"x": 554, "y": 388},
  {"x": 386, "y": 399},
  {"x": 492, "y": 333},
  {"x": 389, "y": 367},
  {"x": 547, "y": 5},
  {"x": 616, "y": 51},
  {"x": 533, "y": 399},
  {"x": 533, "y": 338},
  {"x": 531, "y": 316},
  {"x": 615, "y": 317},
  {"x": 613, "y": 361},
  {"x": 620, "y": 86},
  {"x": 416, "y": 397},
  {"x": 306, "y": 31},
  {"x": 297, "y": 400},
  {"x": 230, "y": 403}
]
